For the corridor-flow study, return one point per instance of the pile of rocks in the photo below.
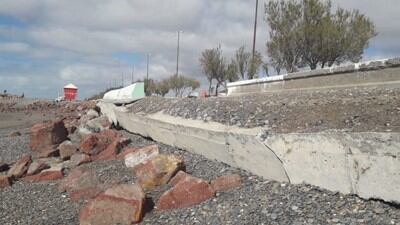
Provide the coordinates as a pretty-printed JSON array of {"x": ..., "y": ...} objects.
[
  {"x": 60, "y": 148},
  {"x": 352, "y": 109}
]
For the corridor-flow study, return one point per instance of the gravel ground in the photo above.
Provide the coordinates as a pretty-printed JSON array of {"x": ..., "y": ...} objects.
[
  {"x": 353, "y": 109},
  {"x": 258, "y": 201},
  {"x": 11, "y": 148}
]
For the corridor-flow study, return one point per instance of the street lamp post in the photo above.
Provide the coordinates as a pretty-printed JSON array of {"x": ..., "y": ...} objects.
[
  {"x": 148, "y": 62},
  {"x": 177, "y": 53},
  {"x": 255, "y": 30}
]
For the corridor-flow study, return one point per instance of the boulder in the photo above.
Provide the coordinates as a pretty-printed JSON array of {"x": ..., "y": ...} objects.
[
  {"x": 3, "y": 167},
  {"x": 81, "y": 184},
  {"x": 99, "y": 124},
  {"x": 111, "y": 152},
  {"x": 122, "y": 204},
  {"x": 44, "y": 136},
  {"x": 226, "y": 183},
  {"x": 20, "y": 167},
  {"x": 93, "y": 144},
  {"x": 54, "y": 173},
  {"x": 48, "y": 153},
  {"x": 158, "y": 170},
  {"x": 36, "y": 167},
  {"x": 141, "y": 155},
  {"x": 79, "y": 159},
  {"x": 67, "y": 149},
  {"x": 188, "y": 192},
  {"x": 178, "y": 177},
  {"x": 5, "y": 181}
]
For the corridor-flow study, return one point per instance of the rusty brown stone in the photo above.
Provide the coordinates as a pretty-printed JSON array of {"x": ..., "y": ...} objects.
[
  {"x": 44, "y": 136},
  {"x": 20, "y": 167},
  {"x": 186, "y": 193},
  {"x": 158, "y": 170},
  {"x": 226, "y": 183},
  {"x": 122, "y": 204}
]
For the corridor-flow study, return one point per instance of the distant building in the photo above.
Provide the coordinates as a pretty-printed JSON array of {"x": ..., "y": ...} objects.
[{"x": 70, "y": 92}]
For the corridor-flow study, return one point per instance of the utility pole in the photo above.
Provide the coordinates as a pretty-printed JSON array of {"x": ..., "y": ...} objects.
[
  {"x": 133, "y": 73},
  {"x": 177, "y": 53},
  {"x": 255, "y": 30},
  {"x": 148, "y": 62}
]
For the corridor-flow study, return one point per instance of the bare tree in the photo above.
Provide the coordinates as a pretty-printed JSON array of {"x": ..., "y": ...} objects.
[{"x": 242, "y": 60}]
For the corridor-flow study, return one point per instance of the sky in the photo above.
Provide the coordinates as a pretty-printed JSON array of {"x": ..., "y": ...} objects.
[{"x": 94, "y": 44}]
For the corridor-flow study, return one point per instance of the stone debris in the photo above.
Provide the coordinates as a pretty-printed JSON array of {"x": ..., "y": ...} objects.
[
  {"x": 187, "y": 192},
  {"x": 44, "y": 136},
  {"x": 122, "y": 204},
  {"x": 5, "y": 181},
  {"x": 134, "y": 157},
  {"x": 36, "y": 167},
  {"x": 15, "y": 134},
  {"x": 53, "y": 173},
  {"x": 99, "y": 124},
  {"x": 81, "y": 184},
  {"x": 158, "y": 170},
  {"x": 111, "y": 152},
  {"x": 95, "y": 143},
  {"x": 226, "y": 183},
  {"x": 67, "y": 149},
  {"x": 79, "y": 159},
  {"x": 47, "y": 153},
  {"x": 19, "y": 169}
]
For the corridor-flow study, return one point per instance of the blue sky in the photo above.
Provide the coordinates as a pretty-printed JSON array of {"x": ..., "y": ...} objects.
[{"x": 46, "y": 44}]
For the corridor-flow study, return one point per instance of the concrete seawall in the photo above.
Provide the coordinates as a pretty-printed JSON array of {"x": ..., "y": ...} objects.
[
  {"x": 377, "y": 73},
  {"x": 366, "y": 164}
]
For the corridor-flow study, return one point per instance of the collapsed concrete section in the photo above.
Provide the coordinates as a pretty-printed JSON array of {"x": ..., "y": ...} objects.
[{"x": 366, "y": 164}]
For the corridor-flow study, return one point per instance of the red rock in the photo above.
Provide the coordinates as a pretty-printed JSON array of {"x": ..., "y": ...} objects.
[
  {"x": 81, "y": 184},
  {"x": 20, "y": 167},
  {"x": 85, "y": 193},
  {"x": 54, "y": 173},
  {"x": 125, "y": 152},
  {"x": 67, "y": 149},
  {"x": 178, "y": 177},
  {"x": 141, "y": 155},
  {"x": 79, "y": 159},
  {"x": 5, "y": 181},
  {"x": 36, "y": 167},
  {"x": 69, "y": 182},
  {"x": 111, "y": 152},
  {"x": 122, "y": 204},
  {"x": 158, "y": 170},
  {"x": 48, "y": 153},
  {"x": 186, "y": 193},
  {"x": 93, "y": 144},
  {"x": 3, "y": 167},
  {"x": 43, "y": 136},
  {"x": 226, "y": 183}
]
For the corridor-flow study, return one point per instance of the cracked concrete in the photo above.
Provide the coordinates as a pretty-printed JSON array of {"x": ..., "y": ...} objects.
[{"x": 366, "y": 164}]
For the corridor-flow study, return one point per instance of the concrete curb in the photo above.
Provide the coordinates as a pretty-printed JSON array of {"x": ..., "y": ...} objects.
[{"x": 366, "y": 164}]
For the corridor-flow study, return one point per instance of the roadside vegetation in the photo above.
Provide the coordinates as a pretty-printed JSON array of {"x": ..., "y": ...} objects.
[{"x": 303, "y": 33}]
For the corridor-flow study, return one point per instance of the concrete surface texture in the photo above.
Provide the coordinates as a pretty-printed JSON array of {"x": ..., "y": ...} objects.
[
  {"x": 377, "y": 73},
  {"x": 366, "y": 164}
]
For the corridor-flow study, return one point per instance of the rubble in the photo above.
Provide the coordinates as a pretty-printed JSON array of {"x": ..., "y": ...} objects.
[
  {"x": 122, "y": 204},
  {"x": 134, "y": 157},
  {"x": 158, "y": 170},
  {"x": 20, "y": 167},
  {"x": 187, "y": 192},
  {"x": 226, "y": 183},
  {"x": 45, "y": 136}
]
